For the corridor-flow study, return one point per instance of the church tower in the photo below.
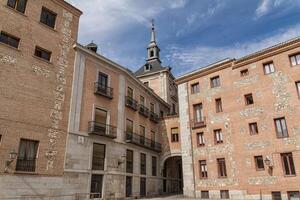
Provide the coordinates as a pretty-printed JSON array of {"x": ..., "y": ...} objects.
[{"x": 158, "y": 77}]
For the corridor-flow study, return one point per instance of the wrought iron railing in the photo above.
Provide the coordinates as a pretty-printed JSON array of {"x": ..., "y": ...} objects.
[
  {"x": 143, "y": 110},
  {"x": 154, "y": 117},
  {"x": 199, "y": 123},
  {"x": 143, "y": 141},
  {"x": 102, "y": 129},
  {"x": 131, "y": 103},
  {"x": 103, "y": 90},
  {"x": 25, "y": 165}
]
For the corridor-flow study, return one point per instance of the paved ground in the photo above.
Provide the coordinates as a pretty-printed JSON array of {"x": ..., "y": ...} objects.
[{"x": 177, "y": 197}]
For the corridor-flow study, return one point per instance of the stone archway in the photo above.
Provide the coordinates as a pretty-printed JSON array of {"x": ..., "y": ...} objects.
[{"x": 172, "y": 174}]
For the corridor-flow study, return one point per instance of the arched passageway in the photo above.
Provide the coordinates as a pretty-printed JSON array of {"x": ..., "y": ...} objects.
[{"x": 172, "y": 175}]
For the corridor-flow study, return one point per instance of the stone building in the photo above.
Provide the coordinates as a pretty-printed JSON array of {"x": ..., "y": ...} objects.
[{"x": 239, "y": 126}]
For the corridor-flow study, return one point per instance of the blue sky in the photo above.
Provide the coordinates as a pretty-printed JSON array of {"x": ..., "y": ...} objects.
[{"x": 190, "y": 33}]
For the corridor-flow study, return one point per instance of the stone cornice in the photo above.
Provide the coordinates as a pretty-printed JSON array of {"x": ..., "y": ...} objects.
[{"x": 69, "y": 7}]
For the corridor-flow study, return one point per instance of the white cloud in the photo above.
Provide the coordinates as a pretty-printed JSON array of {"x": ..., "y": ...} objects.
[{"x": 183, "y": 58}]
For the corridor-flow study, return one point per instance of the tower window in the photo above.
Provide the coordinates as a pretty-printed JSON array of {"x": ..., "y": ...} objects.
[
  {"x": 151, "y": 54},
  {"x": 147, "y": 67}
]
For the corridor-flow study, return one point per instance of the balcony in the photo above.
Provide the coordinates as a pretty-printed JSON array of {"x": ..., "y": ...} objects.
[
  {"x": 131, "y": 103},
  {"x": 143, "y": 110},
  {"x": 154, "y": 117},
  {"x": 102, "y": 129},
  {"x": 198, "y": 123},
  {"x": 103, "y": 90},
  {"x": 143, "y": 141},
  {"x": 25, "y": 165}
]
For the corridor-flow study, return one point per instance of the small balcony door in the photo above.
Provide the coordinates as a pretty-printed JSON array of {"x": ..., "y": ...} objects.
[
  {"x": 96, "y": 186},
  {"x": 102, "y": 80},
  {"x": 198, "y": 113},
  {"x": 101, "y": 121},
  {"x": 128, "y": 186},
  {"x": 142, "y": 134},
  {"x": 129, "y": 129},
  {"x": 143, "y": 187}
]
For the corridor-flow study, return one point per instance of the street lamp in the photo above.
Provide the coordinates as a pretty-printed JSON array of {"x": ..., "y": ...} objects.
[{"x": 12, "y": 156}]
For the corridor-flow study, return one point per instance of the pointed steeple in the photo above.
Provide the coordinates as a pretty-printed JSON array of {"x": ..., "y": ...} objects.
[{"x": 153, "y": 49}]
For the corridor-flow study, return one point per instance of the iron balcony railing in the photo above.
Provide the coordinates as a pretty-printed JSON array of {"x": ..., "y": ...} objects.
[
  {"x": 143, "y": 110},
  {"x": 102, "y": 129},
  {"x": 25, "y": 165},
  {"x": 131, "y": 103},
  {"x": 103, "y": 90},
  {"x": 142, "y": 141},
  {"x": 154, "y": 117},
  {"x": 199, "y": 123}
]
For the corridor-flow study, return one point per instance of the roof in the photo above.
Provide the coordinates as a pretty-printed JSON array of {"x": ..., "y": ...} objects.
[
  {"x": 78, "y": 46},
  {"x": 155, "y": 66}
]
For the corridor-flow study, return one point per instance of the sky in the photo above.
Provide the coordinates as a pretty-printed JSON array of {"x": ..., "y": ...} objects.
[{"x": 190, "y": 33}]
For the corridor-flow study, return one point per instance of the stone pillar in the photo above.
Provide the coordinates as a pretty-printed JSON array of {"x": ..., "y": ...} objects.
[
  {"x": 121, "y": 108},
  {"x": 186, "y": 147}
]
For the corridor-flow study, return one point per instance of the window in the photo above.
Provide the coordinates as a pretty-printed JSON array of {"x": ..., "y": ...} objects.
[
  {"x": 151, "y": 53},
  {"x": 130, "y": 92},
  {"x": 295, "y": 59},
  {"x": 129, "y": 161},
  {"x": 222, "y": 167},
  {"x": 101, "y": 121},
  {"x": 173, "y": 108},
  {"x": 98, "y": 156},
  {"x": 219, "y": 105},
  {"x": 293, "y": 195},
  {"x": 9, "y": 40},
  {"x": 147, "y": 67},
  {"x": 218, "y": 136},
  {"x": 244, "y": 72},
  {"x": 203, "y": 169},
  {"x": 129, "y": 126},
  {"x": 249, "y": 99},
  {"x": 215, "y": 82},
  {"x": 19, "y": 5},
  {"x": 42, "y": 53},
  {"x": 142, "y": 134},
  {"x": 276, "y": 195},
  {"x": 146, "y": 84},
  {"x": 161, "y": 114},
  {"x": 288, "y": 164},
  {"x": 200, "y": 139},
  {"x": 143, "y": 163},
  {"x": 27, "y": 155},
  {"x": 143, "y": 187},
  {"x": 259, "y": 163},
  {"x": 96, "y": 186},
  {"x": 195, "y": 88},
  {"x": 151, "y": 107},
  {"x": 102, "y": 81},
  {"x": 174, "y": 135},
  {"x": 198, "y": 113},
  {"x": 298, "y": 88},
  {"x": 154, "y": 166},
  {"x": 224, "y": 194},
  {"x": 0, "y": 139},
  {"x": 204, "y": 195},
  {"x": 142, "y": 100},
  {"x": 48, "y": 17},
  {"x": 269, "y": 68},
  {"x": 128, "y": 186},
  {"x": 281, "y": 128},
  {"x": 253, "y": 128}
]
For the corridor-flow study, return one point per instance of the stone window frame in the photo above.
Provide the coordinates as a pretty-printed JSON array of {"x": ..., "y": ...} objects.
[
  {"x": 204, "y": 194},
  {"x": 143, "y": 163},
  {"x": 43, "y": 50},
  {"x": 154, "y": 166},
  {"x": 175, "y": 134},
  {"x": 258, "y": 159},
  {"x": 244, "y": 72},
  {"x": 203, "y": 172},
  {"x": 253, "y": 128},
  {"x": 218, "y": 135},
  {"x": 215, "y": 81},
  {"x": 16, "y": 5},
  {"x": 224, "y": 194},
  {"x": 295, "y": 55},
  {"x": 298, "y": 88},
  {"x": 219, "y": 105},
  {"x": 248, "y": 101},
  {"x": 221, "y": 167},
  {"x": 269, "y": 67},
  {"x": 36, "y": 147},
  {"x": 281, "y": 133},
  {"x": 46, "y": 23},
  {"x": 195, "y": 88},
  {"x": 276, "y": 195},
  {"x": 102, "y": 168},
  {"x": 200, "y": 139},
  {"x": 11, "y": 37},
  {"x": 290, "y": 193},
  {"x": 129, "y": 163},
  {"x": 288, "y": 162}
]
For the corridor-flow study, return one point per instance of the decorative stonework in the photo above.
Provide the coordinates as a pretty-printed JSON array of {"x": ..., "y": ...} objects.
[
  {"x": 246, "y": 81},
  {"x": 253, "y": 66},
  {"x": 257, "y": 145},
  {"x": 282, "y": 97},
  {"x": 250, "y": 112},
  {"x": 7, "y": 59},
  {"x": 40, "y": 71},
  {"x": 296, "y": 131},
  {"x": 218, "y": 118},
  {"x": 264, "y": 180},
  {"x": 248, "y": 162},
  {"x": 288, "y": 141},
  {"x": 217, "y": 182},
  {"x": 56, "y": 113}
]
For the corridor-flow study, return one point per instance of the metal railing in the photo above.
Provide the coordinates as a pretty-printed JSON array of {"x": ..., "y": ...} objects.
[
  {"x": 25, "y": 165},
  {"x": 154, "y": 117},
  {"x": 143, "y": 110},
  {"x": 103, "y": 90},
  {"x": 143, "y": 141},
  {"x": 102, "y": 129},
  {"x": 199, "y": 123},
  {"x": 131, "y": 103}
]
